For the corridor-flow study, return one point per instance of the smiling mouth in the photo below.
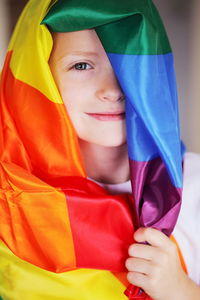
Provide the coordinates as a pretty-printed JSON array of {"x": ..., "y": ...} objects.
[{"x": 108, "y": 116}]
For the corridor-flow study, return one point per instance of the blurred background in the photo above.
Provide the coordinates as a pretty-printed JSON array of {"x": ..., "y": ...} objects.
[{"x": 182, "y": 21}]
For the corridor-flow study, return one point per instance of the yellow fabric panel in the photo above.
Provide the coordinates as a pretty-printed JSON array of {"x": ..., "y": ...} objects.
[
  {"x": 20, "y": 280},
  {"x": 35, "y": 43}
]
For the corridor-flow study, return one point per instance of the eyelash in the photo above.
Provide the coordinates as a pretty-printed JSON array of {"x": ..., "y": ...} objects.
[{"x": 81, "y": 63}]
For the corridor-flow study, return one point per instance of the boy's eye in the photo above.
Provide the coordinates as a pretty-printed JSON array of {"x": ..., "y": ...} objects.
[{"x": 82, "y": 66}]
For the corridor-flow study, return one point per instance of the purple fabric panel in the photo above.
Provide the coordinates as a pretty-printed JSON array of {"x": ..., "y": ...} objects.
[{"x": 156, "y": 201}]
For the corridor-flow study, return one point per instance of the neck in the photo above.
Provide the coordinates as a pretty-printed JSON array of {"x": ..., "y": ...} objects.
[{"x": 105, "y": 164}]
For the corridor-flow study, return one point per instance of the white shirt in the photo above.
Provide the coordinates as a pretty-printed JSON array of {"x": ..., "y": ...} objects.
[{"x": 187, "y": 229}]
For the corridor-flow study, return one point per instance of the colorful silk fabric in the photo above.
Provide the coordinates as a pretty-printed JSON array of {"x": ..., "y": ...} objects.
[
  {"x": 50, "y": 213},
  {"x": 139, "y": 51}
]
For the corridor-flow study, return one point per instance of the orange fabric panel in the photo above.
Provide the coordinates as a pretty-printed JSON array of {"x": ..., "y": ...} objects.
[
  {"x": 180, "y": 254},
  {"x": 28, "y": 134},
  {"x": 32, "y": 226}
]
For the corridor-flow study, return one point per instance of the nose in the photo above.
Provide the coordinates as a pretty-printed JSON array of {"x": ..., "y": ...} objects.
[{"x": 110, "y": 89}]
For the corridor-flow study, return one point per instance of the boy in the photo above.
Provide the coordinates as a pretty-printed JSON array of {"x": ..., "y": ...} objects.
[{"x": 40, "y": 170}]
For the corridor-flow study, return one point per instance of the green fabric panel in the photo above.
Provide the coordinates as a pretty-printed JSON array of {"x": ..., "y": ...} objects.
[{"x": 124, "y": 27}]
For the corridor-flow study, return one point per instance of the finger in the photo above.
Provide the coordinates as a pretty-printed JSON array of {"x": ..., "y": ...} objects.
[
  {"x": 143, "y": 251},
  {"x": 138, "y": 265},
  {"x": 152, "y": 236},
  {"x": 146, "y": 252},
  {"x": 137, "y": 279}
]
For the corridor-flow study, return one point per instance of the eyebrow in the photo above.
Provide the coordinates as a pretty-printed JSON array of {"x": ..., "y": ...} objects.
[
  {"x": 83, "y": 53},
  {"x": 79, "y": 53}
]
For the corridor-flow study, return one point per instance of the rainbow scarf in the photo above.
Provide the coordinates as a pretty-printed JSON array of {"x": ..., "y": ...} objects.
[{"x": 51, "y": 214}]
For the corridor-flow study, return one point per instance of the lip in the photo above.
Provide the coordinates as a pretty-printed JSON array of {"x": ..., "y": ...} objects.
[{"x": 108, "y": 116}]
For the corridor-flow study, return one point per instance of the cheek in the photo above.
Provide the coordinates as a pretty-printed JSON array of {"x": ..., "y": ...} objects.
[
  {"x": 72, "y": 100},
  {"x": 75, "y": 107},
  {"x": 78, "y": 99}
]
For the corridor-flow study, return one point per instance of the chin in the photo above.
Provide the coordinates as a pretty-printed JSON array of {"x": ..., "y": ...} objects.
[
  {"x": 105, "y": 136},
  {"x": 110, "y": 142},
  {"x": 104, "y": 141}
]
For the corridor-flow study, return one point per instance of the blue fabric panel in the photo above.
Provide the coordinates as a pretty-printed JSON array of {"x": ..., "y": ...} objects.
[{"x": 149, "y": 84}]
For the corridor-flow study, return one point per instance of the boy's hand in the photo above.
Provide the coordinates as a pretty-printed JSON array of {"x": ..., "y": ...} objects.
[{"x": 157, "y": 268}]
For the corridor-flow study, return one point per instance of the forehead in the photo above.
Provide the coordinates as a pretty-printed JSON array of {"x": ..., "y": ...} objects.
[{"x": 77, "y": 42}]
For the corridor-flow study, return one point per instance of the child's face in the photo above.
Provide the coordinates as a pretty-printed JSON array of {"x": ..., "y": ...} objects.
[{"x": 88, "y": 86}]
